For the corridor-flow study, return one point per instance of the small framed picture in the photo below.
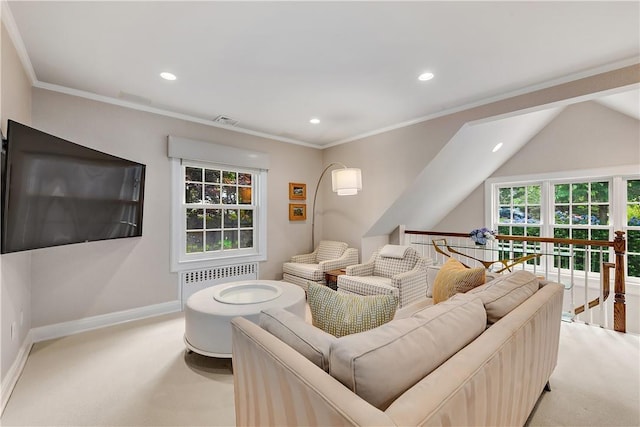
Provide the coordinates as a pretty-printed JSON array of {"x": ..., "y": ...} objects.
[
  {"x": 297, "y": 191},
  {"x": 297, "y": 211}
]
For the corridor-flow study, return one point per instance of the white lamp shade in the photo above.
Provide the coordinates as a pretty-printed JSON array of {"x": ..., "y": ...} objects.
[{"x": 347, "y": 181}]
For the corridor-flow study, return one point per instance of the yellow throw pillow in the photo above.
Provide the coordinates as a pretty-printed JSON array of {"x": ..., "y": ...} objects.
[
  {"x": 343, "y": 314},
  {"x": 454, "y": 277}
]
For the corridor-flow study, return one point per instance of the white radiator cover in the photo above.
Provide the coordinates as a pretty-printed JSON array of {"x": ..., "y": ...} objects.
[{"x": 196, "y": 280}]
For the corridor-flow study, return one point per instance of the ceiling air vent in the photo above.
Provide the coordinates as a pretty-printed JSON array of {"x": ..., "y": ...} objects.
[{"x": 225, "y": 120}]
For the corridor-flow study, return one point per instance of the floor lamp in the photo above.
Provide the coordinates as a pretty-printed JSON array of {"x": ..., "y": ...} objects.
[{"x": 345, "y": 182}]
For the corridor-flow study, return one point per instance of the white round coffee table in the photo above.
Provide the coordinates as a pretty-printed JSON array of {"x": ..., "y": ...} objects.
[{"x": 208, "y": 312}]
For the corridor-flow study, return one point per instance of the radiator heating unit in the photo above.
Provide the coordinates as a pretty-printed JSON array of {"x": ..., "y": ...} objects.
[{"x": 195, "y": 280}]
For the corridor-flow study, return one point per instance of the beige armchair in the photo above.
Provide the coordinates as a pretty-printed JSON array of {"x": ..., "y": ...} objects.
[
  {"x": 329, "y": 255},
  {"x": 396, "y": 270}
]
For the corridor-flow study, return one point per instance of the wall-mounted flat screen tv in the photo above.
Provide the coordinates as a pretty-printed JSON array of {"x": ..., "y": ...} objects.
[{"x": 56, "y": 192}]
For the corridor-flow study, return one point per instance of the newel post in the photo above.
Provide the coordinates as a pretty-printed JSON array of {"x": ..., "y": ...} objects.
[{"x": 619, "y": 308}]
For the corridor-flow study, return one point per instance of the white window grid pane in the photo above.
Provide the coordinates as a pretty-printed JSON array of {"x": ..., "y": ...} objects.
[
  {"x": 528, "y": 213},
  {"x": 582, "y": 222},
  {"x": 219, "y": 182}
]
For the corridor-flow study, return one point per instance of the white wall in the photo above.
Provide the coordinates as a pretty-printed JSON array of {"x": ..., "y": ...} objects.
[
  {"x": 390, "y": 161},
  {"x": 15, "y": 269},
  {"x": 78, "y": 281}
]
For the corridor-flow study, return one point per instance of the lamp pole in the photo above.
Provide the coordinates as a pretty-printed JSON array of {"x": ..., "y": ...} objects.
[{"x": 313, "y": 209}]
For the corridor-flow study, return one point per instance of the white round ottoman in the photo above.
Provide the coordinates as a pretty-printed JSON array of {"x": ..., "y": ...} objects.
[{"x": 208, "y": 312}]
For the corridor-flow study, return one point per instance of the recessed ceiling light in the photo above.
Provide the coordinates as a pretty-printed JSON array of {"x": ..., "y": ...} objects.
[
  {"x": 425, "y": 76},
  {"x": 497, "y": 147},
  {"x": 168, "y": 76},
  {"x": 314, "y": 121}
]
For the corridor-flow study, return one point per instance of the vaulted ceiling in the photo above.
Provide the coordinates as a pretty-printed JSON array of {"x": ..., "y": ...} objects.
[{"x": 273, "y": 66}]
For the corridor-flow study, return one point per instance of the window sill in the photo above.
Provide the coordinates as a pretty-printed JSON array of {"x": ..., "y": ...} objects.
[{"x": 215, "y": 262}]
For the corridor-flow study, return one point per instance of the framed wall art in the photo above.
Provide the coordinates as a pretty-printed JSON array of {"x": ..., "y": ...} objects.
[
  {"x": 297, "y": 191},
  {"x": 297, "y": 211}
]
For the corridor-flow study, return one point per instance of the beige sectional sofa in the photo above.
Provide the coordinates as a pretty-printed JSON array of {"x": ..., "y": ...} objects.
[{"x": 480, "y": 358}]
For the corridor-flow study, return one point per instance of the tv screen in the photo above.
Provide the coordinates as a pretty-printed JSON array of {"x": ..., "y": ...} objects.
[{"x": 55, "y": 192}]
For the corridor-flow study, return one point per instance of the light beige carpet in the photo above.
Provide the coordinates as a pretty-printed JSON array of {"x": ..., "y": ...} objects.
[
  {"x": 134, "y": 374},
  {"x": 596, "y": 381},
  {"x": 138, "y": 374}
]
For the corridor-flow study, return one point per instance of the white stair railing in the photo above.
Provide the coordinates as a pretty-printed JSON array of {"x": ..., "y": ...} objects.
[{"x": 582, "y": 266}]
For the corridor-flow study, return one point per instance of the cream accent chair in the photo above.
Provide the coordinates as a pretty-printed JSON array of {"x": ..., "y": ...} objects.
[
  {"x": 329, "y": 255},
  {"x": 394, "y": 269}
]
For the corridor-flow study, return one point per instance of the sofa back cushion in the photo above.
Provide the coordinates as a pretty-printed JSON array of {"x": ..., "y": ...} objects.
[
  {"x": 311, "y": 342},
  {"x": 387, "y": 266},
  {"x": 329, "y": 249},
  {"x": 505, "y": 293},
  {"x": 381, "y": 364}
]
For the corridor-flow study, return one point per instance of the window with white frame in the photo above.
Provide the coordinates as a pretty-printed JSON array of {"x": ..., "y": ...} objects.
[
  {"x": 519, "y": 210},
  {"x": 581, "y": 211},
  {"x": 219, "y": 210},
  {"x": 632, "y": 228},
  {"x": 590, "y": 207},
  {"x": 219, "y": 205},
  {"x": 519, "y": 214}
]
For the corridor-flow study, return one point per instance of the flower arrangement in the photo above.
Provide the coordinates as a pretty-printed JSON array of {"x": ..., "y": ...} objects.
[{"x": 481, "y": 235}]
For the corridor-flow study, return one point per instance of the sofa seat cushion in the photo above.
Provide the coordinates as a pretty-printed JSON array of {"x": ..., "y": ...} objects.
[
  {"x": 306, "y": 271},
  {"x": 344, "y": 314},
  {"x": 505, "y": 293},
  {"x": 455, "y": 278},
  {"x": 311, "y": 342},
  {"x": 366, "y": 285},
  {"x": 382, "y": 363}
]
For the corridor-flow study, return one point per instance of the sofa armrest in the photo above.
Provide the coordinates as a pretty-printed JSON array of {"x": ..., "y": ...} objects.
[
  {"x": 365, "y": 269},
  {"x": 349, "y": 257},
  {"x": 409, "y": 275},
  {"x": 412, "y": 285},
  {"x": 299, "y": 392},
  {"x": 305, "y": 258}
]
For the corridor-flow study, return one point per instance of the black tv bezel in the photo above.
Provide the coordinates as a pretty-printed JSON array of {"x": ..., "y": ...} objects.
[
  {"x": 5, "y": 187},
  {"x": 3, "y": 183}
]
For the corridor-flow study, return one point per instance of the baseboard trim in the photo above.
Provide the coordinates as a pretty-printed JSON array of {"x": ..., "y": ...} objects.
[
  {"x": 89, "y": 323},
  {"x": 11, "y": 379}
]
